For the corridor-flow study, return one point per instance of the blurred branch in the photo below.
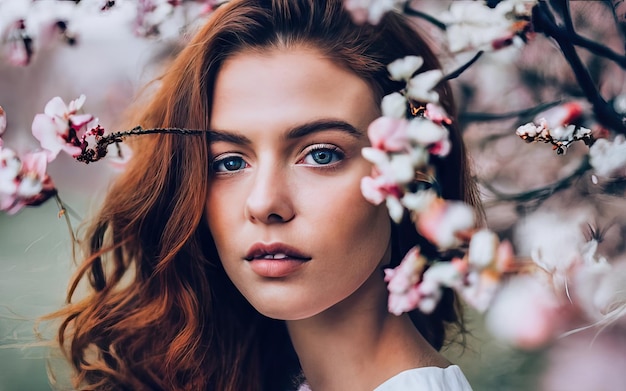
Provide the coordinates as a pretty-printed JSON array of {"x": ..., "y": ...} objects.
[
  {"x": 542, "y": 193},
  {"x": 593, "y": 46},
  {"x": 408, "y": 10},
  {"x": 462, "y": 68},
  {"x": 544, "y": 21},
  {"x": 485, "y": 117},
  {"x": 619, "y": 11}
]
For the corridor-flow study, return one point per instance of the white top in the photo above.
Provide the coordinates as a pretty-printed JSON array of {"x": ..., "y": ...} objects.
[{"x": 428, "y": 378}]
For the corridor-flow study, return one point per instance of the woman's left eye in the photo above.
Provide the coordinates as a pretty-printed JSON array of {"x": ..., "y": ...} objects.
[{"x": 323, "y": 156}]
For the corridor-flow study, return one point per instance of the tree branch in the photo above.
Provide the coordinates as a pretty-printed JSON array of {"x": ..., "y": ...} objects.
[
  {"x": 541, "y": 193},
  {"x": 544, "y": 22},
  {"x": 485, "y": 117},
  {"x": 408, "y": 10}
]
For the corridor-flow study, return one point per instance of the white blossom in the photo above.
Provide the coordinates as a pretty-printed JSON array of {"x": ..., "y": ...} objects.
[
  {"x": 394, "y": 105},
  {"x": 420, "y": 87},
  {"x": 482, "y": 248},
  {"x": 425, "y": 132},
  {"x": 403, "y": 68},
  {"x": 608, "y": 158}
]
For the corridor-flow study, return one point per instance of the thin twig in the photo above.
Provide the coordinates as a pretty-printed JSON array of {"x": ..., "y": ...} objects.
[
  {"x": 456, "y": 73},
  {"x": 485, "y": 117},
  {"x": 541, "y": 193},
  {"x": 63, "y": 212},
  {"x": 408, "y": 10}
]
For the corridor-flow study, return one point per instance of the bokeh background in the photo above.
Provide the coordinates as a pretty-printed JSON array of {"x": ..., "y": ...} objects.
[{"x": 110, "y": 63}]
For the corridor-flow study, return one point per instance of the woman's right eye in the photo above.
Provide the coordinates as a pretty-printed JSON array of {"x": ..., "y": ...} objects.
[{"x": 229, "y": 164}]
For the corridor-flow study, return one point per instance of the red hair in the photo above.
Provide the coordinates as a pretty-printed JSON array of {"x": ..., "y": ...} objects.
[{"x": 161, "y": 313}]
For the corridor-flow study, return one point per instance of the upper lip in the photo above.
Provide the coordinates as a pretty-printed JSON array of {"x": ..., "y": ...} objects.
[{"x": 261, "y": 250}]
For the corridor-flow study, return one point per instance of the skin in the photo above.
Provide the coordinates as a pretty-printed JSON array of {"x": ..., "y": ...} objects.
[{"x": 270, "y": 185}]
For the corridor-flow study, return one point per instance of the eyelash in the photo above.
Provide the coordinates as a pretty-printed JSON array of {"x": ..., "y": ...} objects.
[{"x": 337, "y": 156}]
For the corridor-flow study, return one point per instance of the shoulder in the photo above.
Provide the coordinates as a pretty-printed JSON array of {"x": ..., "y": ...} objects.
[{"x": 428, "y": 378}]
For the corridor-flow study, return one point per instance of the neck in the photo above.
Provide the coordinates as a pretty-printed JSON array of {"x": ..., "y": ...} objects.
[{"x": 357, "y": 344}]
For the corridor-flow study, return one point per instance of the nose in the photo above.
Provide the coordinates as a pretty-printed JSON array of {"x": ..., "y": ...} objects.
[{"x": 269, "y": 200}]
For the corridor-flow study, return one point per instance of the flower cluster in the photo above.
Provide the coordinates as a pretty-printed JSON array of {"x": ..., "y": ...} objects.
[
  {"x": 557, "y": 127},
  {"x": 28, "y": 27},
  {"x": 472, "y": 25},
  {"x": 412, "y": 131},
  {"x": 23, "y": 177}
]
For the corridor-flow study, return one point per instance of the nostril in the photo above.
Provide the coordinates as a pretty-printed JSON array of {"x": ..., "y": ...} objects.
[{"x": 274, "y": 217}]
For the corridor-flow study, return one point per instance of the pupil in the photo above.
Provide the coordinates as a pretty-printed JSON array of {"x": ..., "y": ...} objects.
[
  {"x": 322, "y": 157},
  {"x": 233, "y": 164}
]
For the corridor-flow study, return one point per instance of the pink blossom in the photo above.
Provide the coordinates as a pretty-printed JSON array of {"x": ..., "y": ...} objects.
[
  {"x": 437, "y": 114},
  {"x": 61, "y": 127},
  {"x": 479, "y": 288},
  {"x": 438, "y": 276},
  {"x": 389, "y": 134},
  {"x": 375, "y": 190},
  {"x": 3, "y": 122},
  {"x": 525, "y": 313},
  {"x": 444, "y": 223},
  {"x": 10, "y": 167},
  {"x": 23, "y": 181},
  {"x": 402, "y": 282},
  {"x": 564, "y": 114}
]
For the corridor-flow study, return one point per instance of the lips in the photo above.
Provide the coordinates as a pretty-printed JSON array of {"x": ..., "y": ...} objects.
[
  {"x": 275, "y": 260},
  {"x": 275, "y": 251}
]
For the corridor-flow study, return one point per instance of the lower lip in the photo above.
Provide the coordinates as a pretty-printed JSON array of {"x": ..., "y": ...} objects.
[{"x": 275, "y": 268}]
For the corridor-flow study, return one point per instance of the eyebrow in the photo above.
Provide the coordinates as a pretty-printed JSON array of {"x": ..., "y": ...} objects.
[{"x": 294, "y": 133}]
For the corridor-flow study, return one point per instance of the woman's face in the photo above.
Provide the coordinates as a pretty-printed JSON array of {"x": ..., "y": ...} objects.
[{"x": 291, "y": 227}]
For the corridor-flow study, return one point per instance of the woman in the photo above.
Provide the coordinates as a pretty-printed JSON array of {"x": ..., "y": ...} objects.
[{"x": 248, "y": 259}]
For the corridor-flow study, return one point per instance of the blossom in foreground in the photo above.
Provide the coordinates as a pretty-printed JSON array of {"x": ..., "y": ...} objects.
[
  {"x": 402, "y": 282},
  {"x": 403, "y": 69},
  {"x": 61, "y": 127},
  {"x": 526, "y": 313},
  {"x": 446, "y": 223}
]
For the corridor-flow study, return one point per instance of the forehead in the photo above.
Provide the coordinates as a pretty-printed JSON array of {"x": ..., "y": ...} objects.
[{"x": 282, "y": 87}]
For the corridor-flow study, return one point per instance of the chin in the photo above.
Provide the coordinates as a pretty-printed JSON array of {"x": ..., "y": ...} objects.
[{"x": 287, "y": 311}]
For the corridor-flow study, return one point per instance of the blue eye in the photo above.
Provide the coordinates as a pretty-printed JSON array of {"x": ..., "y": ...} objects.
[
  {"x": 323, "y": 156},
  {"x": 229, "y": 164}
]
